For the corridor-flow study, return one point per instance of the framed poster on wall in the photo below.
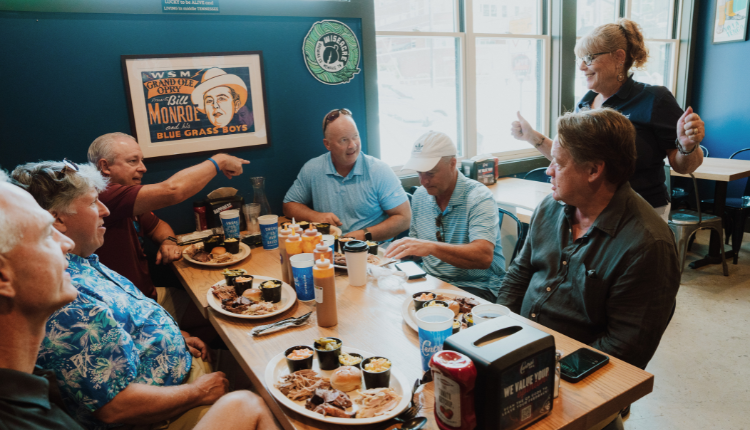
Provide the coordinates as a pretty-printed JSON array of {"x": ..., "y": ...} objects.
[
  {"x": 730, "y": 22},
  {"x": 194, "y": 103}
]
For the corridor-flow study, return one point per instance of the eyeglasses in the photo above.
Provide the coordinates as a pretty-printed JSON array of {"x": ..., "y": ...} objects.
[
  {"x": 588, "y": 59},
  {"x": 332, "y": 115},
  {"x": 439, "y": 225}
]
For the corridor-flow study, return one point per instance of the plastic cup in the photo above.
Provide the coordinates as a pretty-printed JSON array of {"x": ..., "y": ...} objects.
[
  {"x": 435, "y": 325},
  {"x": 269, "y": 231},
  {"x": 356, "y": 262},
  {"x": 252, "y": 212},
  {"x": 302, "y": 271},
  {"x": 230, "y": 221},
  {"x": 487, "y": 312}
]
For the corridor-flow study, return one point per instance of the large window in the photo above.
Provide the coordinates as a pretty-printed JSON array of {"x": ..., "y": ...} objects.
[
  {"x": 467, "y": 72},
  {"x": 656, "y": 18},
  {"x": 465, "y": 78}
]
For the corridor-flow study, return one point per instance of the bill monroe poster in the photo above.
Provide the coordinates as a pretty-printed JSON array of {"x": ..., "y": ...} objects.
[{"x": 196, "y": 102}]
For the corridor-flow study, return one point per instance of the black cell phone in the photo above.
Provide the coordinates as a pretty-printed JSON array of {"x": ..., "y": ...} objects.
[
  {"x": 580, "y": 364},
  {"x": 412, "y": 270}
]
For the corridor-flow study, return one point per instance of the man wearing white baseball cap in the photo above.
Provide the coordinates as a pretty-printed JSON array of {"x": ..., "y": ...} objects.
[{"x": 454, "y": 221}]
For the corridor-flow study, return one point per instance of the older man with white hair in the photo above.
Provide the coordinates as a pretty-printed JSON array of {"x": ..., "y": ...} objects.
[
  {"x": 454, "y": 221},
  {"x": 131, "y": 220},
  {"x": 33, "y": 285},
  {"x": 119, "y": 357}
]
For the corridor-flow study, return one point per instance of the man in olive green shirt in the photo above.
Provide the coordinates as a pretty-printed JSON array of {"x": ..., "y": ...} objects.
[{"x": 599, "y": 264}]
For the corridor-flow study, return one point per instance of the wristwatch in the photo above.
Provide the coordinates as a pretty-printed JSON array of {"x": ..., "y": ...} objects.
[
  {"x": 368, "y": 235},
  {"x": 681, "y": 149}
]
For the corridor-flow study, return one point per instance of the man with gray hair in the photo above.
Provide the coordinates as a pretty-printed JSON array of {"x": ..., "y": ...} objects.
[
  {"x": 454, "y": 221},
  {"x": 119, "y": 357},
  {"x": 33, "y": 284},
  {"x": 131, "y": 204}
]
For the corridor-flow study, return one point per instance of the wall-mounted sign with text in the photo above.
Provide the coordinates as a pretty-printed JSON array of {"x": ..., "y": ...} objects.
[
  {"x": 331, "y": 52},
  {"x": 190, "y": 6}
]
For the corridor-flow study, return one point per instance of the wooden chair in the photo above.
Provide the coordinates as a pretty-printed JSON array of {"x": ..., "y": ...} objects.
[{"x": 684, "y": 223}]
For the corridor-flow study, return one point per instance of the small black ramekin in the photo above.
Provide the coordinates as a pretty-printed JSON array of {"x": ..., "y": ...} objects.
[
  {"x": 272, "y": 294},
  {"x": 376, "y": 379},
  {"x": 302, "y": 364},
  {"x": 329, "y": 360}
]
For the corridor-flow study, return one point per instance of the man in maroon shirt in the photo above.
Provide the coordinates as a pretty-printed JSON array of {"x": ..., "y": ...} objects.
[{"x": 131, "y": 205}]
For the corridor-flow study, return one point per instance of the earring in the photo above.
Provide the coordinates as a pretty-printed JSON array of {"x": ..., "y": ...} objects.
[{"x": 621, "y": 75}]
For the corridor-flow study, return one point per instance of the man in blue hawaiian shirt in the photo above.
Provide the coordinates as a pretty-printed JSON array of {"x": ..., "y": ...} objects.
[{"x": 118, "y": 356}]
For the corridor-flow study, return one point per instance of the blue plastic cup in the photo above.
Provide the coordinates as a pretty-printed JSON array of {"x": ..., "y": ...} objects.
[
  {"x": 269, "y": 231},
  {"x": 435, "y": 325},
  {"x": 230, "y": 221},
  {"x": 302, "y": 271}
]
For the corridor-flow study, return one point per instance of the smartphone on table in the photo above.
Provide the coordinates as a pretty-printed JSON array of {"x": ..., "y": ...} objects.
[
  {"x": 580, "y": 364},
  {"x": 412, "y": 270}
]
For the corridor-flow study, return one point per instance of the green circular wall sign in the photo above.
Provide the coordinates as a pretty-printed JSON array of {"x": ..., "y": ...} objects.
[{"x": 331, "y": 52}]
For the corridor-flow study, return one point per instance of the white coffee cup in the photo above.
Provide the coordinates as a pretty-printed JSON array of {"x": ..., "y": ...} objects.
[{"x": 356, "y": 262}]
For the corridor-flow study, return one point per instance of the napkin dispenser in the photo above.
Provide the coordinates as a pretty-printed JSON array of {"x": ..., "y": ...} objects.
[
  {"x": 480, "y": 170},
  {"x": 216, "y": 206},
  {"x": 515, "y": 371}
]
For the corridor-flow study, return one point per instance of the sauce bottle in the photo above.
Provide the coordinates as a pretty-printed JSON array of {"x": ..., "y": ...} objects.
[
  {"x": 286, "y": 268},
  {"x": 295, "y": 227},
  {"x": 454, "y": 375},
  {"x": 293, "y": 247},
  {"x": 323, "y": 251},
  {"x": 325, "y": 293},
  {"x": 310, "y": 238}
]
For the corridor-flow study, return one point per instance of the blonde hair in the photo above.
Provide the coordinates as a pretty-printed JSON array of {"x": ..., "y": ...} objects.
[
  {"x": 625, "y": 35},
  {"x": 600, "y": 135}
]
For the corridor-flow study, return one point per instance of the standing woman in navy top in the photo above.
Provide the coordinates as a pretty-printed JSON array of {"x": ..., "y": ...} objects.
[{"x": 605, "y": 56}]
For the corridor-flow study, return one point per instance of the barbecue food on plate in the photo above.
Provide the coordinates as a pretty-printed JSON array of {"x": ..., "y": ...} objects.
[
  {"x": 466, "y": 304},
  {"x": 346, "y": 378},
  {"x": 330, "y": 402},
  {"x": 301, "y": 384},
  {"x": 376, "y": 402},
  {"x": 242, "y": 305},
  {"x": 224, "y": 292},
  {"x": 339, "y": 259}
]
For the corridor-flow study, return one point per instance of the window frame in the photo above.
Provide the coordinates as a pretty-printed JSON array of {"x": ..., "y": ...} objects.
[{"x": 551, "y": 64}]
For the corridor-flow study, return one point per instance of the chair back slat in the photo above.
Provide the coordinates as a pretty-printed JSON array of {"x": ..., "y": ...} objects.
[{"x": 747, "y": 183}]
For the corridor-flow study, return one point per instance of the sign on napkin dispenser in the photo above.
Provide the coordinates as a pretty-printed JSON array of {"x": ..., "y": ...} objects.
[
  {"x": 216, "y": 206},
  {"x": 515, "y": 371}
]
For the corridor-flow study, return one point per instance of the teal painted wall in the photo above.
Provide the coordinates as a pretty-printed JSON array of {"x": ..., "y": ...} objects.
[{"x": 63, "y": 87}]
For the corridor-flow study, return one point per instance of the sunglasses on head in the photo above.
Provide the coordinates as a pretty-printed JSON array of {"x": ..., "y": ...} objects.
[
  {"x": 332, "y": 115},
  {"x": 68, "y": 166}
]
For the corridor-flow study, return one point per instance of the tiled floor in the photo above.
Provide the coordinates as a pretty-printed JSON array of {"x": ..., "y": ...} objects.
[{"x": 702, "y": 366}]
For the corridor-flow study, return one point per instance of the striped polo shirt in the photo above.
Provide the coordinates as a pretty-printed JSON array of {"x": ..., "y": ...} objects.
[{"x": 471, "y": 214}]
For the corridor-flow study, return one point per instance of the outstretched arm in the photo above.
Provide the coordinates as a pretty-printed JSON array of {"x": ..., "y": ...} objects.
[
  {"x": 185, "y": 183},
  {"x": 522, "y": 130}
]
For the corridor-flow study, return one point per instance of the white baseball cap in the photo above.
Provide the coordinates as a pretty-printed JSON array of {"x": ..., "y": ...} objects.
[{"x": 428, "y": 150}]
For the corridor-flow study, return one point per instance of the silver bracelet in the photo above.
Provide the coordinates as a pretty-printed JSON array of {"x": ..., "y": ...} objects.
[{"x": 681, "y": 149}]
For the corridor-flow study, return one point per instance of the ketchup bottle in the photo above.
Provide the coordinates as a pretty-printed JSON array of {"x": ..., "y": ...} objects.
[{"x": 454, "y": 375}]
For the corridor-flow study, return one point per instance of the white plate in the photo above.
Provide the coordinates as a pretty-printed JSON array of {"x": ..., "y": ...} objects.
[
  {"x": 288, "y": 297},
  {"x": 410, "y": 315},
  {"x": 381, "y": 255},
  {"x": 243, "y": 254},
  {"x": 277, "y": 368}
]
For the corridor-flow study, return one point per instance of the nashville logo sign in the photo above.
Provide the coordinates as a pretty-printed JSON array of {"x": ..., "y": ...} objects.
[{"x": 331, "y": 52}]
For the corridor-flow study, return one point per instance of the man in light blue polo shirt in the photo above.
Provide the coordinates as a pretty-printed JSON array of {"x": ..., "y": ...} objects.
[
  {"x": 454, "y": 222},
  {"x": 347, "y": 188}
]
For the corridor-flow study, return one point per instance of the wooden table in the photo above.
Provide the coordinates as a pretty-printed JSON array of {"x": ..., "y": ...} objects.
[
  {"x": 370, "y": 319},
  {"x": 522, "y": 194},
  {"x": 720, "y": 170}
]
